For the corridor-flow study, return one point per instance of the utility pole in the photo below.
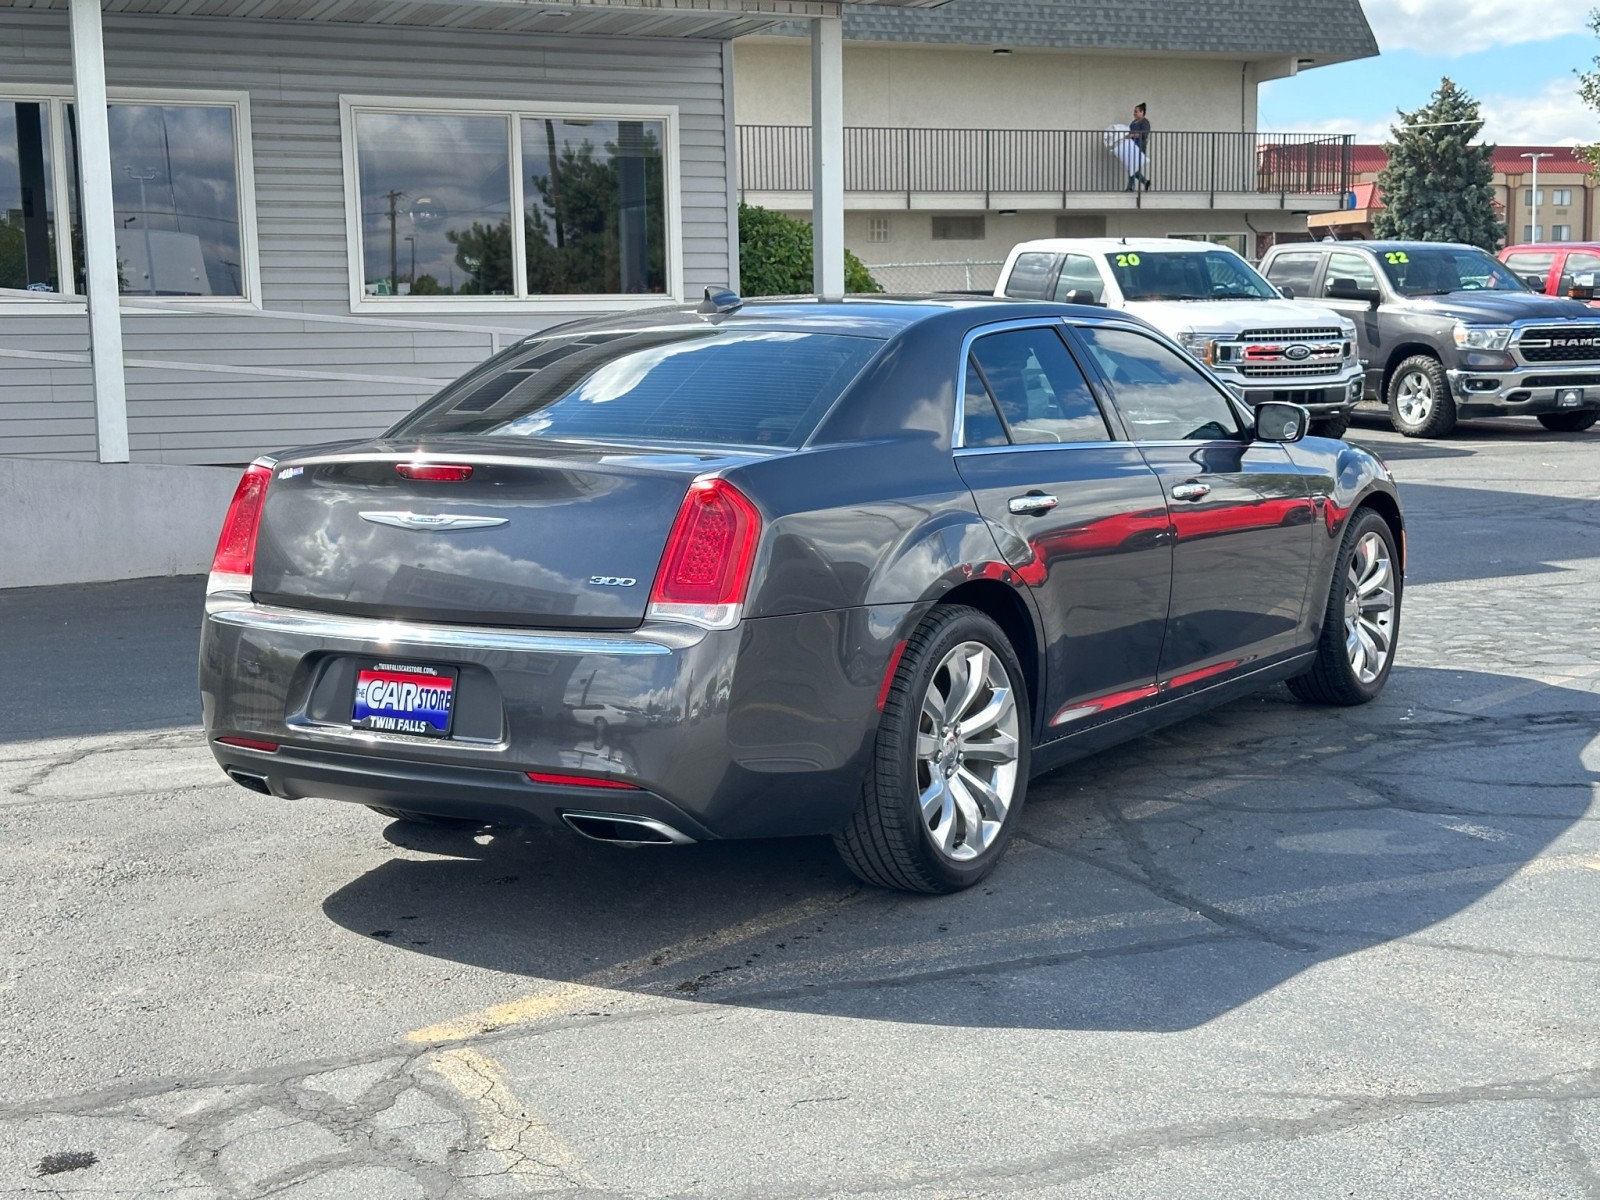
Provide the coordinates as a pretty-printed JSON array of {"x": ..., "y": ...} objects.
[
  {"x": 1536, "y": 231},
  {"x": 394, "y": 245}
]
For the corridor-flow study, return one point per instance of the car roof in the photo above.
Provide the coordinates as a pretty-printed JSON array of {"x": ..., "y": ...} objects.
[
  {"x": 881, "y": 316},
  {"x": 1376, "y": 247},
  {"x": 1551, "y": 246},
  {"x": 1110, "y": 245}
]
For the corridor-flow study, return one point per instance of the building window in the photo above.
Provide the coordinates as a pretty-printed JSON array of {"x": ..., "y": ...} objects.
[
  {"x": 958, "y": 229},
  {"x": 877, "y": 229},
  {"x": 181, "y": 195},
  {"x": 1528, "y": 198},
  {"x": 1561, "y": 233},
  {"x": 1533, "y": 233},
  {"x": 435, "y": 193},
  {"x": 1561, "y": 197}
]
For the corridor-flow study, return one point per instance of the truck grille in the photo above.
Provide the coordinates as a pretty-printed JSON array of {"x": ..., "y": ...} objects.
[
  {"x": 1574, "y": 343},
  {"x": 1288, "y": 353}
]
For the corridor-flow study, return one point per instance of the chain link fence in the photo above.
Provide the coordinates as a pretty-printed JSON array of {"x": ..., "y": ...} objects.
[{"x": 965, "y": 276}]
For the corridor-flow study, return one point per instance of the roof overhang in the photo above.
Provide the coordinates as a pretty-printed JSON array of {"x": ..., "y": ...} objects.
[{"x": 716, "y": 19}]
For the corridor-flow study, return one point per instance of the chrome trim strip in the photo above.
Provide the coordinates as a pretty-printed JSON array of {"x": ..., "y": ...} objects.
[{"x": 368, "y": 631}]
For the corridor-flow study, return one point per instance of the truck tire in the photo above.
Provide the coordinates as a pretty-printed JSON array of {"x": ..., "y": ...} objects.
[
  {"x": 1330, "y": 427},
  {"x": 1420, "y": 404},
  {"x": 1569, "y": 422}
]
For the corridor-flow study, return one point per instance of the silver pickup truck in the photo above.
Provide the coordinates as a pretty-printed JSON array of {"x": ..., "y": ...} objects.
[{"x": 1211, "y": 301}]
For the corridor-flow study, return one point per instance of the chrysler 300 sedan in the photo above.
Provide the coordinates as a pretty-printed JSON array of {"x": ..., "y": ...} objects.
[{"x": 788, "y": 568}]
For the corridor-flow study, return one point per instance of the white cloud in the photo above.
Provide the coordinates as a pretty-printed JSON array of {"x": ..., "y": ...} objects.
[
  {"x": 1457, "y": 27},
  {"x": 1554, "y": 116}
]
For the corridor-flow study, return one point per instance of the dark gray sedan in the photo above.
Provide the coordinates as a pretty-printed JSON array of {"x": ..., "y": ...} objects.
[{"x": 789, "y": 568}]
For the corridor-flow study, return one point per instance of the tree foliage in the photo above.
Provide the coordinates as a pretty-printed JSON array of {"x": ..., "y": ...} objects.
[
  {"x": 775, "y": 257},
  {"x": 1589, "y": 92},
  {"x": 1438, "y": 187}
]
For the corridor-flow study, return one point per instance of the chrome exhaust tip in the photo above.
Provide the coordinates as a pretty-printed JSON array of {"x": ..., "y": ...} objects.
[
  {"x": 620, "y": 829},
  {"x": 256, "y": 783}
]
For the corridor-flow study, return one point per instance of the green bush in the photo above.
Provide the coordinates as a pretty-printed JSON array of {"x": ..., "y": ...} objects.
[{"x": 775, "y": 257}]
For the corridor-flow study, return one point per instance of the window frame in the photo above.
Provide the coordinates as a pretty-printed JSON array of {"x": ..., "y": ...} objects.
[
  {"x": 514, "y": 114},
  {"x": 57, "y": 99}
]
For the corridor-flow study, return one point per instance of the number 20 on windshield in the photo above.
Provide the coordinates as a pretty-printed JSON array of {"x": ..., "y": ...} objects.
[{"x": 1127, "y": 260}]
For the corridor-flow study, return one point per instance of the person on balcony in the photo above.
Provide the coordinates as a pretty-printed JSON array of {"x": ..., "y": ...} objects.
[{"x": 1138, "y": 159}]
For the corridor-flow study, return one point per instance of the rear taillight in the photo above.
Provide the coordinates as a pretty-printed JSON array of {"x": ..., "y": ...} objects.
[
  {"x": 235, "y": 559},
  {"x": 249, "y": 744},
  {"x": 588, "y": 781},
  {"x": 705, "y": 571}
]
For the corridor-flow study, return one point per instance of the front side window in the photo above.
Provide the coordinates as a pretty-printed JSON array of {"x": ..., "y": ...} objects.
[
  {"x": 1534, "y": 268},
  {"x": 1436, "y": 270},
  {"x": 1163, "y": 397},
  {"x": 27, "y": 209},
  {"x": 1178, "y": 275},
  {"x": 179, "y": 191},
  {"x": 1040, "y": 391},
  {"x": 439, "y": 195},
  {"x": 696, "y": 385},
  {"x": 1079, "y": 274},
  {"x": 1350, "y": 270}
]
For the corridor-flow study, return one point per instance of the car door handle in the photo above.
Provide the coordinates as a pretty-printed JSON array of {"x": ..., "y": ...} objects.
[
  {"x": 1191, "y": 491},
  {"x": 1032, "y": 504}
]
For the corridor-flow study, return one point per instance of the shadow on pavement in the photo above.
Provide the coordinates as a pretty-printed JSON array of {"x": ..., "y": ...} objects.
[
  {"x": 102, "y": 657},
  {"x": 1154, "y": 887},
  {"x": 1480, "y": 533}
]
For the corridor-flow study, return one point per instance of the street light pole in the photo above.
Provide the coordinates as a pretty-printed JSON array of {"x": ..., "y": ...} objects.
[{"x": 1535, "y": 158}]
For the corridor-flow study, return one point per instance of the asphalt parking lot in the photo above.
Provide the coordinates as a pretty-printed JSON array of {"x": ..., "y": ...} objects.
[{"x": 1273, "y": 952}]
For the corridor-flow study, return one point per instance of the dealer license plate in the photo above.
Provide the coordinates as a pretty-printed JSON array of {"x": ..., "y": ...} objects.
[
  {"x": 1571, "y": 398},
  {"x": 405, "y": 698}
]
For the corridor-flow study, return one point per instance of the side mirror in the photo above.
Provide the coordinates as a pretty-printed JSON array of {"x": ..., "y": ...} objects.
[
  {"x": 1082, "y": 296},
  {"x": 1582, "y": 287},
  {"x": 1286, "y": 291},
  {"x": 1280, "y": 421},
  {"x": 1347, "y": 289},
  {"x": 1536, "y": 282}
]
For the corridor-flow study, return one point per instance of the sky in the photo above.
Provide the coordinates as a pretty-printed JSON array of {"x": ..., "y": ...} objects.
[{"x": 1518, "y": 58}]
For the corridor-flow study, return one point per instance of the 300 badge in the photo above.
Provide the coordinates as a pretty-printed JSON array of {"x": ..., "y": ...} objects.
[{"x": 611, "y": 581}]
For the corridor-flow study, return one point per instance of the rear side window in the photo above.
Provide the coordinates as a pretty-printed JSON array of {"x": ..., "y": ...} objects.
[
  {"x": 1042, "y": 394},
  {"x": 703, "y": 386},
  {"x": 1031, "y": 276},
  {"x": 981, "y": 424},
  {"x": 1297, "y": 271},
  {"x": 1578, "y": 263},
  {"x": 1079, "y": 274}
]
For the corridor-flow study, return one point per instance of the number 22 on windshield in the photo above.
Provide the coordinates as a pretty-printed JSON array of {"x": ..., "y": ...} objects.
[{"x": 1396, "y": 257}]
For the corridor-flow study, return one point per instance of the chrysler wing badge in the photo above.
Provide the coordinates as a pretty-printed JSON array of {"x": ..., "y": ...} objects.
[{"x": 435, "y": 521}]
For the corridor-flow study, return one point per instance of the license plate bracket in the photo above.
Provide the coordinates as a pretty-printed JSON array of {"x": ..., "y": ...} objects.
[
  {"x": 417, "y": 699},
  {"x": 1570, "y": 398}
]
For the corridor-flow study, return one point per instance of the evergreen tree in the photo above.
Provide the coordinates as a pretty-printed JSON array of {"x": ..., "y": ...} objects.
[{"x": 1438, "y": 186}]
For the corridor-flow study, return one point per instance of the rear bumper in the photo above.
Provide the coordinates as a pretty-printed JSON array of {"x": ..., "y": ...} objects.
[
  {"x": 759, "y": 731},
  {"x": 1523, "y": 393}
]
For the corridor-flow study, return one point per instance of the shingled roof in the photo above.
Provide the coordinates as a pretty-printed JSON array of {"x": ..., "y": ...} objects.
[{"x": 1324, "y": 30}]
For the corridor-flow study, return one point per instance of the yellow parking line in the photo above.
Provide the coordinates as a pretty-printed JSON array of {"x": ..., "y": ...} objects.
[{"x": 533, "y": 1156}]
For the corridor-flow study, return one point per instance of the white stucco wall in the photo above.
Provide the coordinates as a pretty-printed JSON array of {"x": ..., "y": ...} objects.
[{"x": 972, "y": 88}]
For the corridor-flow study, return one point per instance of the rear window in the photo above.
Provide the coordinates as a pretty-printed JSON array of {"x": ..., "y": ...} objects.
[{"x": 700, "y": 386}]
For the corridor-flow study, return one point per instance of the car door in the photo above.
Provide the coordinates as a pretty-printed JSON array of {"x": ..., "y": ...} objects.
[
  {"x": 1352, "y": 267},
  {"x": 1078, "y": 514},
  {"x": 1241, "y": 510}
]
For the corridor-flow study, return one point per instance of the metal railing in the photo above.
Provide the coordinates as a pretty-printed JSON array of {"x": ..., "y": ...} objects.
[{"x": 1047, "y": 162}]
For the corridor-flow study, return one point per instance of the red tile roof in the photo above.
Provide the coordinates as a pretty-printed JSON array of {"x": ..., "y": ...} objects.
[{"x": 1367, "y": 159}]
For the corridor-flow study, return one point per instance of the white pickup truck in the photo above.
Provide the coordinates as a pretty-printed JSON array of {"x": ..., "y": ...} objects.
[{"x": 1214, "y": 304}]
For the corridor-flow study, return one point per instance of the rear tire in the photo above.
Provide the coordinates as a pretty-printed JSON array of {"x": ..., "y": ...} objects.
[
  {"x": 416, "y": 818},
  {"x": 949, "y": 771},
  {"x": 1361, "y": 625},
  {"x": 1420, "y": 404},
  {"x": 1330, "y": 427},
  {"x": 1569, "y": 422}
]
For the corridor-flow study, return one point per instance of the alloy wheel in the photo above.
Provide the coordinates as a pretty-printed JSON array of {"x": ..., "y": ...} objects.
[
  {"x": 1369, "y": 608},
  {"x": 967, "y": 751},
  {"x": 1415, "y": 397}
]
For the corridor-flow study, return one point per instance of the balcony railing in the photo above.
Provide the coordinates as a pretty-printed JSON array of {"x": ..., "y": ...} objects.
[{"x": 1046, "y": 162}]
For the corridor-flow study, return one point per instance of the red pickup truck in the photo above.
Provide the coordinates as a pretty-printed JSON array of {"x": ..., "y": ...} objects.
[{"x": 1550, "y": 268}]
